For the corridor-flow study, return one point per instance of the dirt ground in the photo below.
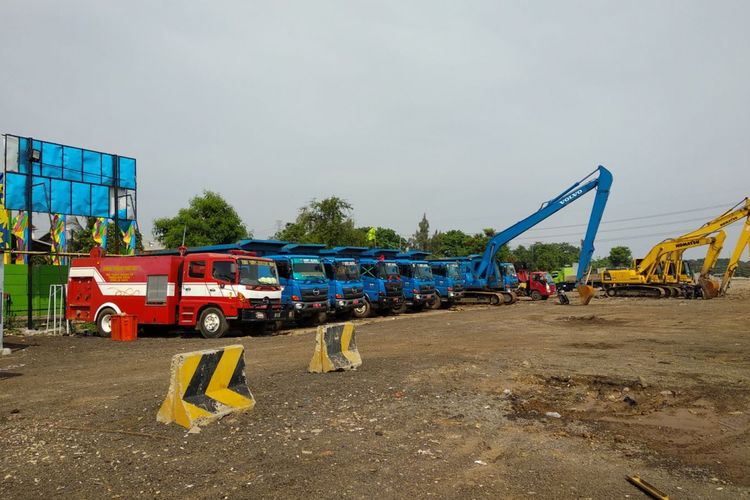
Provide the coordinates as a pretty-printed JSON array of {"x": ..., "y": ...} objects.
[{"x": 449, "y": 404}]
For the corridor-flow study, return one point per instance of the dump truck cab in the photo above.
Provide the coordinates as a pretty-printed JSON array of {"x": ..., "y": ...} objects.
[
  {"x": 449, "y": 282},
  {"x": 384, "y": 289},
  {"x": 416, "y": 274}
]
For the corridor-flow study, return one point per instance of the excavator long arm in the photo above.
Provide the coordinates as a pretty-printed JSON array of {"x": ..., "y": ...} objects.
[
  {"x": 734, "y": 260},
  {"x": 601, "y": 183}
]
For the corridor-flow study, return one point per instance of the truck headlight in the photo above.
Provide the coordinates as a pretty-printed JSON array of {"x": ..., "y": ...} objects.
[
  {"x": 298, "y": 306},
  {"x": 260, "y": 315}
]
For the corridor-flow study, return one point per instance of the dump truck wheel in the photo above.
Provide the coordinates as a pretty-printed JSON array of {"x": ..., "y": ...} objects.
[
  {"x": 104, "y": 322},
  {"x": 362, "y": 311},
  {"x": 535, "y": 295},
  {"x": 212, "y": 323},
  {"x": 437, "y": 302},
  {"x": 399, "y": 309}
]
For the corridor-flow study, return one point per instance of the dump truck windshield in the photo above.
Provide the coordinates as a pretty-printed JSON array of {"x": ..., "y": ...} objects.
[
  {"x": 257, "y": 272},
  {"x": 347, "y": 271},
  {"x": 388, "y": 270},
  {"x": 308, "y": 269},
  {"x": 422, "y": 272},
  {"x": 453, "y": 272}
]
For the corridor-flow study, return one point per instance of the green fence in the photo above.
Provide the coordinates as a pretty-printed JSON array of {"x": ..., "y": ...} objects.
[{"x": 15, "y": 288}]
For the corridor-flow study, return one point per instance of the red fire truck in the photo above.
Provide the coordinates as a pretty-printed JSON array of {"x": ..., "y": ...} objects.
[{"x": 206, "y": 291}]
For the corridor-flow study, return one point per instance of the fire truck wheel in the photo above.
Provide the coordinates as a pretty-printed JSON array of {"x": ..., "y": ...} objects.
[
  {"x": 212, "y": 323},
  {"x": 104, "y": 322}
]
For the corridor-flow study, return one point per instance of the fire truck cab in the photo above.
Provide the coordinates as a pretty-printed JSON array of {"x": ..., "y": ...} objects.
[{"x": 206, "y": 291}]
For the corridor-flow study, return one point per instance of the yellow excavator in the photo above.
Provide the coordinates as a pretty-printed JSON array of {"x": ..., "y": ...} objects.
[
  {"x": 709, "y": 287},
  {"x": 657, "y": 275},
  {"x": 663, "y": 272}
]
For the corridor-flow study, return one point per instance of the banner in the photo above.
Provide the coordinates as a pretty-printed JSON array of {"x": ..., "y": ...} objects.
[
  {"x": 4, "y": 224},
  {"x": 127, "y": 229},
  {"x": 57, "y": 234},
  {"x": 100, "y": 232},
  {"x": 20, "y": 230}
]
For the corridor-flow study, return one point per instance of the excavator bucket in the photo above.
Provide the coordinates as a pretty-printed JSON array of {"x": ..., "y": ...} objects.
[
  {"x": 709, "y": 287},
  {"x": 586, "y": 293}
]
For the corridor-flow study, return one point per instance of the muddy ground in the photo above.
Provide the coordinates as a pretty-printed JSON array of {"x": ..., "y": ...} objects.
[{"x": 448, "y": 404}]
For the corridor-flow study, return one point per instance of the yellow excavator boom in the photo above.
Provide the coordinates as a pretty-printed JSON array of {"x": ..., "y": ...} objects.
[{"x": 734, "y": 260}]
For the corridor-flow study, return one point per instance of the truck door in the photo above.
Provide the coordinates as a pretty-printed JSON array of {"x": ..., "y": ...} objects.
[{"x": 193, "y": 291}]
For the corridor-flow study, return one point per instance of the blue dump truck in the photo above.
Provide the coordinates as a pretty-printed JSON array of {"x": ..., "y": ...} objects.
[
  {"x": 345, "y": 287},
  {"x": 304, "y": 283},
  {"x": 419, "y": 285},
  {"x": 449, "y": 282},
  {"x": 380, "y": 278}
]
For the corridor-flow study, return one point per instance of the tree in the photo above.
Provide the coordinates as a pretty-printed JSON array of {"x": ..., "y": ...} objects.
[
  {"x": 620, "y": 257},
  {"x": 545, "y": 256},
  {"x": 208, "y": 220},
  {"x": 326, "y": 221},
  {"x": 421, "y": 239},
  {"x": 384, "y": 238}
]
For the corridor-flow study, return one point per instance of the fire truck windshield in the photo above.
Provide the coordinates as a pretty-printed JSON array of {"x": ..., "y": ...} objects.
[
  {"x": 308, "y": 269},
  {"x": 257, "y": 272}
]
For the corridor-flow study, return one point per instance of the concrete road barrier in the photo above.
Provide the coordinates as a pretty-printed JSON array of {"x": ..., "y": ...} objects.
[
  {"x": 206, "y": 385},
  {"x": 335, "y": 349}
]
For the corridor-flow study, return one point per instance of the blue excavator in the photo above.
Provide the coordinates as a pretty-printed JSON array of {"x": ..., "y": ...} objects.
[{"x": 484, "y": 281}]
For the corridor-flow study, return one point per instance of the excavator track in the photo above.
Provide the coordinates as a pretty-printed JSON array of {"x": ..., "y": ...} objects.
[
  {"x": 648, "y": 291},
  {"x": 498, "y": 298}
]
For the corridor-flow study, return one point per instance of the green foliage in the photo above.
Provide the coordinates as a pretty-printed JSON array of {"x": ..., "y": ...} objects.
[
  {"x": 620, "y": 257},
  {"x": 327, "y": 221},
  {"x": 385, "y": 238},
  {"x": 546, "y": 256},
  {"x": 208, "y": 220}
]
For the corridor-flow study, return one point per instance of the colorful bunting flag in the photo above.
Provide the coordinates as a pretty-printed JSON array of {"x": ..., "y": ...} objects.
[
  {"x": 100, "y": 232},
  {"x": 20, "y": 230},
  {"x": 57, "y": 233},
  {"x": 127, "y": 229}
]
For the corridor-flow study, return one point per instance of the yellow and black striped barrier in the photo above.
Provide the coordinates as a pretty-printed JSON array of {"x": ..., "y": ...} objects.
[
  {"x": 206, "y": 385},
  {"x": 335, "y": 349}
]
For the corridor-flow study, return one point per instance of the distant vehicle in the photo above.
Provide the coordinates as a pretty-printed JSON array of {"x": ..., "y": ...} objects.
[{"x": 538, "y": 285}]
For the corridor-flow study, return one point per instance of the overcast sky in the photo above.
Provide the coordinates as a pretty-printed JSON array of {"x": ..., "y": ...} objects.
[{"x": 473, "y": 112}]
